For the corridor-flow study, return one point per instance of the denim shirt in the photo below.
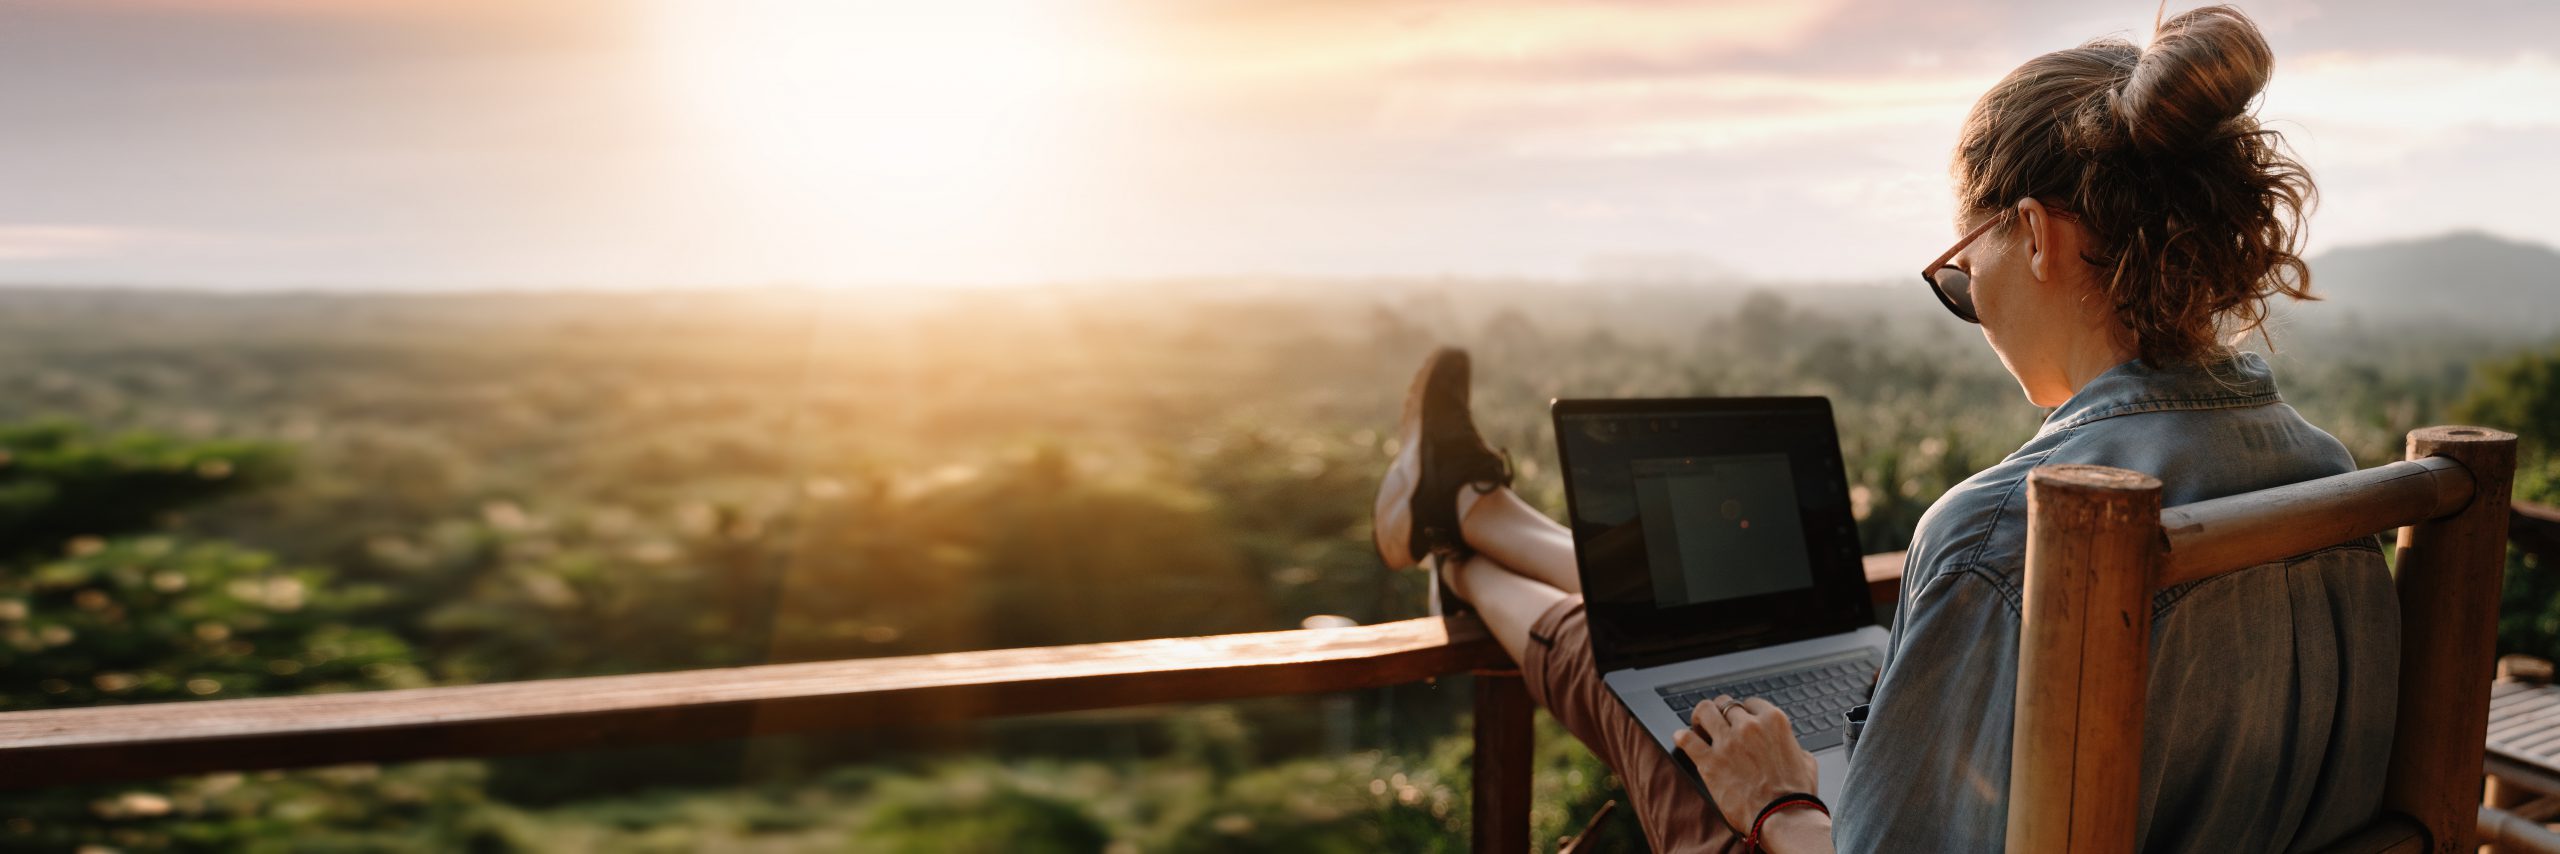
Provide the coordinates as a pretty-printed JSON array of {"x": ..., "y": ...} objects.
[{"x": 2272, "y": 689}]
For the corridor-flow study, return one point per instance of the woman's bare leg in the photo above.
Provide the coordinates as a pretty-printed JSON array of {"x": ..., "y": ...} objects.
[
  {"x": 1663, "y": 795},
  {"x": 1523, "y": 540},
  {"x": 1507, "y": 600}
]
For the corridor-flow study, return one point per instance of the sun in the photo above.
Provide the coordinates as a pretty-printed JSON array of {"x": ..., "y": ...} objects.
[{"x": 845, "y": 123}]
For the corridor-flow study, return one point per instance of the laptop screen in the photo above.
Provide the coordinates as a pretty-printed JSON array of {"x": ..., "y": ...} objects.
[
  {"x": 1720, "y": 527},
  {"x": 1708, "y": 525}
]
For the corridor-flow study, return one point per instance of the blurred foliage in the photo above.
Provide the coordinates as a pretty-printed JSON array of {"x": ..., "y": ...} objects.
[
  {"x": 156, "y": 618},
  {"x": 2522, "y": 394},
  {"x": 1185, "y": 800},
  {"x": 258, "y": 494},
  {"x": 118, "y": 615},
  {"x": 980, "y": 814},
  {"x": 59, "y": 482}
]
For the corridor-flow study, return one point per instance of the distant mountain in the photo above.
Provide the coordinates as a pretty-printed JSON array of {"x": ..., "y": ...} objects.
[{"x": 2466, "y": 277}]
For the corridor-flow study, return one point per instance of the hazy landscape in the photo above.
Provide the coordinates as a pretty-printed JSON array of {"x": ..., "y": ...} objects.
[{"x": 212, "y": 495}]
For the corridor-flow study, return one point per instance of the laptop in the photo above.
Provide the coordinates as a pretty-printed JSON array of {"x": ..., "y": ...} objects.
[{"x": 1718, "y": 556}]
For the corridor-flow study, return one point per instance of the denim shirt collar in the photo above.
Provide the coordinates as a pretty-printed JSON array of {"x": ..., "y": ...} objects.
[{"x": 2243, "y": 379}]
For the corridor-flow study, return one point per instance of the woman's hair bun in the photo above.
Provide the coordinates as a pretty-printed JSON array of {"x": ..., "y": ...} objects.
[
  {"x": 2191, "y": 214},
  {"x": 2199, "y": 74}
]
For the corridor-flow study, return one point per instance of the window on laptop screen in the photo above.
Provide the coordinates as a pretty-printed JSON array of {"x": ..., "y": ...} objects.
[
  {"x": 1731, "y": 503},
  {"x": 1720, "y": 527}
]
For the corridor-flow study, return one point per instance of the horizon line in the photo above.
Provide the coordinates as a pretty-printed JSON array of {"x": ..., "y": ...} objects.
[{"x": 1712, "y": 279}]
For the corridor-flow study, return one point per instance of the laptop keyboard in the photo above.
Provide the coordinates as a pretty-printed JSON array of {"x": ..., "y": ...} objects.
[{"x": 1816, "y": 694}]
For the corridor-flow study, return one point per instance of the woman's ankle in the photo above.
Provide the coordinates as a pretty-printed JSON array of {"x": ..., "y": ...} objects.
[{"x": 1468, "y": 498}]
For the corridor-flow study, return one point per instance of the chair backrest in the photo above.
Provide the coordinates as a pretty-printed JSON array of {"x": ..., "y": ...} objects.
[{"x": 2099, "y": 545}]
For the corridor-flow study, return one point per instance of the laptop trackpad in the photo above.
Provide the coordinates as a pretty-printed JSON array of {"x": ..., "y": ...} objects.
[{"x": 1835, "y": 769}]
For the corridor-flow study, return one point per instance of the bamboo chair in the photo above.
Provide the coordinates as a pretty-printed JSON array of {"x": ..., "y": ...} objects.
[{"x": 2099, "y": 545}]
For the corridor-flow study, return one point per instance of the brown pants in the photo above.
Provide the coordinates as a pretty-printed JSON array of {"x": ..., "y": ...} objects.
[{"x": 1562, "y": 679}]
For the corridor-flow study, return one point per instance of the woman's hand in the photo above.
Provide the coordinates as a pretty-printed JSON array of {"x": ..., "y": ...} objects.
[{"x": 1747, "y": 753}]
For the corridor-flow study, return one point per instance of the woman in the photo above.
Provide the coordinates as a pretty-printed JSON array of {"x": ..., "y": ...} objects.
[{"x": 2123, "y": 217}]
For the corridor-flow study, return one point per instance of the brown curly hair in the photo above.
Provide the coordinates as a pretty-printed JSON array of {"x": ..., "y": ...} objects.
[{"x": 2194, "y": 211}]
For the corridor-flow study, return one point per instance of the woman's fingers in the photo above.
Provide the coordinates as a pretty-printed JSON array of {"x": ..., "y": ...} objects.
[
  {"x": 1712, "y": 718},
  {"x": 1692, "y": 744},
  {"x": 1759, "y": 706},
  {"x": 1746, "y": 753}
]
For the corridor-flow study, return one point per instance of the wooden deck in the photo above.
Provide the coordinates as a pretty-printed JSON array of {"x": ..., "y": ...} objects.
[
  {"x": 2524, "y": 732},
  {"x": 2523, "y": 748}
]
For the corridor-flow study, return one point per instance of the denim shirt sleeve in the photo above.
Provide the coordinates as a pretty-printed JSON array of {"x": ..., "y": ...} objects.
[{"x": 1932, "y": 770}]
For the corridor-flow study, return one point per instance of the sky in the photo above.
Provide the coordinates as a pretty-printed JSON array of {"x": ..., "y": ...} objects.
[{"x": 480, "y": 144}]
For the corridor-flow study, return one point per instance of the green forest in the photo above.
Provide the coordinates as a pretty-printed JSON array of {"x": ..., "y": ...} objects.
[{"x": 207, "y": 496}]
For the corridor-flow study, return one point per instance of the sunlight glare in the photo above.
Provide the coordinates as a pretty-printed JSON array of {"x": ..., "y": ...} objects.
[{"x": 850, "y": 123}]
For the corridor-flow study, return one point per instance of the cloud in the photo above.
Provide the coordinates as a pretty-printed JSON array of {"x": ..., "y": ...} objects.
[
  {"x": 1706, "y": 112},
  {"x": 306, "y": 9},
  {"x": 2360, "y": 109},
  {"x": 1292, "y": 44},
  {"x": 33, "y": 242}
]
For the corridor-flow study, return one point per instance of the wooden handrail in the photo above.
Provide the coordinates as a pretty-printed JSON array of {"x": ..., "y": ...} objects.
[
  {"x": 58, "y": 746},
  {"x": 107, "y": 743},
  {"x": 2513, "y": 834},
  {"x": 1884, "y": 577},
  {"x": 2391, "y": 834},
  {"x": 2535, "y": 529},
  {"x": 2212, "y": 537},
  {"x": 2209, "y": 538}
]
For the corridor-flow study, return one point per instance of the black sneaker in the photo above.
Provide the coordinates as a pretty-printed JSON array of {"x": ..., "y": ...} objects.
[{"x": 1439, "y": 453}]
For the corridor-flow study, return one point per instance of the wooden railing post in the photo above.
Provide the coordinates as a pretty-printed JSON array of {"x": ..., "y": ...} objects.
[
  {"x": 2449, "y": 573},
  {"x": 2093, "y": 547},
  {"x": 1502, "y": 764}
]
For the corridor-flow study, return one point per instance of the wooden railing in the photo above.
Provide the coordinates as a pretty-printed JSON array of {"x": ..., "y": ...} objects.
[
  {"x": 2535, "y": 530},
  {"x": 108, "y": 743},
  {"x": 155, "y": 739},
  {"x": 112, "y": 743}
]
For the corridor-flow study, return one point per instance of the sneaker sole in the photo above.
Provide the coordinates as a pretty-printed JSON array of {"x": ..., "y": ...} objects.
[{"x": 1393, "y": 515}]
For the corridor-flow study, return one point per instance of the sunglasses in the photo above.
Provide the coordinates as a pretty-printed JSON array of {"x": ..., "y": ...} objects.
[{"x": 1952, "y": 284}]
